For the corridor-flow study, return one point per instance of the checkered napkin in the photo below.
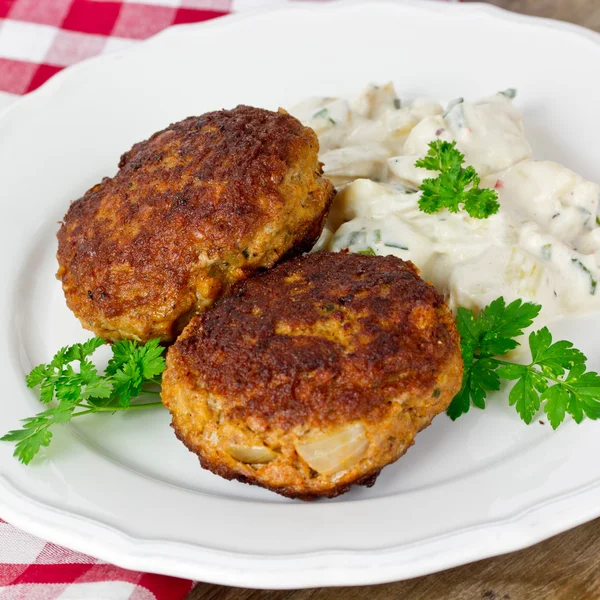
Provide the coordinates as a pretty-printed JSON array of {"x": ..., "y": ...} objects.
[
  {"x": 31, "y": 569},
  {"x": 40, "y": 37}
]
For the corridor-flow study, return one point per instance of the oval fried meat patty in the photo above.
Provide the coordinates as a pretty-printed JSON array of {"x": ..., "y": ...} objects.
[
  {"x": 315, "y": 375},
  {"x": 194, "y": 209}
]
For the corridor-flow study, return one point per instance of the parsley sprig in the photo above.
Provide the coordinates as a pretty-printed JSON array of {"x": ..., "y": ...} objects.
[
  {"x": 556, "y": 377},
  {"x": 72, "y": 383},
  {"x": 455, "y": 187}
]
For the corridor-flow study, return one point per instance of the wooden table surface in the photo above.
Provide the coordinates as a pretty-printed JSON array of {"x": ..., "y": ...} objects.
[{"x": 566, "y": 567}]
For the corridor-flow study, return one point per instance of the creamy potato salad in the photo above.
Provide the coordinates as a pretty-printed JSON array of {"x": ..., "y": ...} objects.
[{"x": 542, "y": 245}]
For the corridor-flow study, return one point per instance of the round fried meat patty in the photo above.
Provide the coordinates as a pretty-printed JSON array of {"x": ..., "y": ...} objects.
[
  {"x": 194, "y": 209},
  {"x": 315, "y": 375}
]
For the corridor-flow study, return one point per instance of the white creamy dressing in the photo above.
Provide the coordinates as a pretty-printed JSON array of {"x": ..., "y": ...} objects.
[{"x": 543, "y": 244}]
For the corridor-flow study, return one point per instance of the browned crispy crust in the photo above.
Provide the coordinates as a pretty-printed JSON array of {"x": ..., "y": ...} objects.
[
  {"x": 319, "y": 342},
  {"x": 200, "y": 205}
]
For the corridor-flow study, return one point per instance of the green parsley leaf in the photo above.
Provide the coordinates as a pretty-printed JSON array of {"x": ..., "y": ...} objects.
[
  {"x": 82, "y": 351},
  {"x": 121, "y": 352},
  {"x": 28, "y": 447},
  {"x": 525, "y": 397},
  {"x": 72, "y": 380},
  {"x": 151, "y": 360},
  {"x": 510, "y": 371},
  {"x": 478, "y": 379},
  {"x": 584, "y": 392},
  {"x": 15, "y": 435},
  {"x": 468, "y": 327},
  {"x": 47, "y": 389},
  {"x": 500, "y": 324},
  {"x": 99, "y": 387},
  {"x": 554, "y": 359},
  {"x": 489, "y": 334},
  {"x": 557, "y": 399},
  {"x": 556, "y": 377},
  {"x": 37, "y": 376},
  {"x": 461, "y": 403},
  {"x": 127, "y": 382},
  {"x": 455, "y": 187}
]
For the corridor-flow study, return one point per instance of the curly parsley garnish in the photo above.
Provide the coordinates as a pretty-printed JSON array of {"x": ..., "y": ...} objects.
[
  {"x": 449, "y": 189},
  {"x": 82, "y": 390},
  {"x": 556, "y": 377}
]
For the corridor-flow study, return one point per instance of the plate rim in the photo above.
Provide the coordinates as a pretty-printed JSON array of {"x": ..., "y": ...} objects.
[
  {"x": 130, "y": 552},
  {"x": 133, "y": 552},
  {"x": 173, "y": 30}
]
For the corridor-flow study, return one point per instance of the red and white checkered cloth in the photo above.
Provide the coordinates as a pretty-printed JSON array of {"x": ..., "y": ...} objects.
[
  {"x": 40, "y": 37},
  {"x": 37, "y": 39},
  {"x": 32, "y": 569}
]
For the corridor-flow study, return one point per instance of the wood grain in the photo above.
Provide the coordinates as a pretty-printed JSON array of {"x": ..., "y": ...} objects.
[
  {"x": 581, "y": 12},
  {"x": 566, "y": 567}
]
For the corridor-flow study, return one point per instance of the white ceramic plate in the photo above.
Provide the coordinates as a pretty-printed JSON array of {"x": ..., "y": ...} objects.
[{"x": 122, "y": 488}]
